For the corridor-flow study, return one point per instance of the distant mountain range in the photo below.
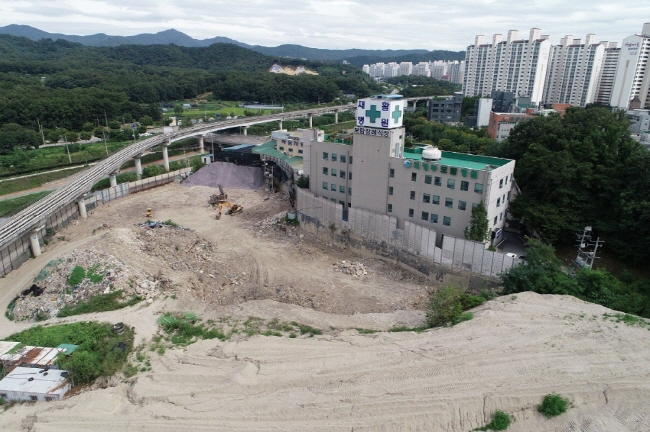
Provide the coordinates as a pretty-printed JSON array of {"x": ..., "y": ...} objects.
[{"x": 357, "y": 57}]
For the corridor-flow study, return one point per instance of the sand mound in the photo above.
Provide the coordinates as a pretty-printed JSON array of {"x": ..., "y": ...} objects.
[{"x": 228, "y": 175}]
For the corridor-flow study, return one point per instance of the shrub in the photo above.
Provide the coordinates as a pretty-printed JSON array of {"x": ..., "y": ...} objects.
[
  {"x": 553, "y": 405},
  {"x": 303, "y": 182},
  {"x": 77, "y": 276},
  {"x": 445, "y": 306},
  {"x": 500, "y": 422},
  {"x": 99, "y": 303}
]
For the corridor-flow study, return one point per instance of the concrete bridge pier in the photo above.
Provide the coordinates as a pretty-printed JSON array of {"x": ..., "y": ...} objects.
[
  {"x": 138, "y": 166},
  {"x": 311, "y": 118},
  {"x": 245, "y": 130},
  {"x": 82, "y": 207},
  {"x": 336, "y": 116},
  {"x": 165, "y": 151},
  {"x": 34, "y": 243},
  {"x": 280, "y": 125},
  {"x": 113, "y": 177},
  {"x": 201, "y": 143}
]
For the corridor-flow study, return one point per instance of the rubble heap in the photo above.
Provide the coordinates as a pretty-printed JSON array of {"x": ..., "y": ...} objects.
[{"x": 351, "y": 267}]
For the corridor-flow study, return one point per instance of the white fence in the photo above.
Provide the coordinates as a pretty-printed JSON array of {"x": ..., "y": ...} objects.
[{"x": 416, "y": 240}]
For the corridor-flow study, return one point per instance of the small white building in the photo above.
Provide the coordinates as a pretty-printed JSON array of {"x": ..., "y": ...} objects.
[{"x": 34, "y": 384}]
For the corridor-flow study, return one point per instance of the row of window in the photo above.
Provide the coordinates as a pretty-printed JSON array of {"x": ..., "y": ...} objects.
[
  {"x": 332, "y": 187},
  {"x": 425, "y": 216},
  {"x": 437, "y": 181},
  {"x": 281, "y": 148},
  {"x": 334, "y": 171},
  {"x": 335, "y": 157}
]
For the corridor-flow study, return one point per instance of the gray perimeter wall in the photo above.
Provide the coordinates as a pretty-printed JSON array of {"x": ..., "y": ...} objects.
[{"x": 414, "y": 245}]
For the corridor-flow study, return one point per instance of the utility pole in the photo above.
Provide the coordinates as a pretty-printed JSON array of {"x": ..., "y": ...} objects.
[
  {"x": 40, "y": 128},
  {"x": 586, "y": 256}
]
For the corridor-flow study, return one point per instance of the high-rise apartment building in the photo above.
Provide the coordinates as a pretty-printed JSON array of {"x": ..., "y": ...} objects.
[
  {"x": 406, "y": 68},
  {"x": 631, "y": 87},
  {"x": 422, "y": 69},
  {"x": 456, "y": 72},
  {"x": 513, "y": 65},
  {"x": 607, "y": 74},
  {"x": 573, "y": 71}
]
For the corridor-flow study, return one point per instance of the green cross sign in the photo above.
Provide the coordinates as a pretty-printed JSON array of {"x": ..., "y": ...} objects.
[
  {"x": 373, "y": 113},
  {"x": 396, "y": 114}
]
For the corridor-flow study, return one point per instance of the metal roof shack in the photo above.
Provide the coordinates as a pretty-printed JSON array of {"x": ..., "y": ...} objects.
[
  {"x": 6, "y": 346},
  {"x": 31, "y": 384},
  {"x": 31, "y": 356}
]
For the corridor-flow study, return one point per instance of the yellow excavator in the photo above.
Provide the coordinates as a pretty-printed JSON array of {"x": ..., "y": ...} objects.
[{"x": 232, "y": 208}]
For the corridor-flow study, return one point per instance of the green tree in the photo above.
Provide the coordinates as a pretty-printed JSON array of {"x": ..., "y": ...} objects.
[
  {"x": 178, "y": 109},
  {"x": 71, "y": 136},
  {"x": 85, "y": 136},
  {"x": 479, "y": 226}
]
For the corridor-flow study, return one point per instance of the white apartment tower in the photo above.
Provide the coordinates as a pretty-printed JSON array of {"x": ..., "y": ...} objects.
[
  {"x": 632, "y": 79},
  {"x": 422, "y": 69},
  {"x": 607, "y": 74},
  {"x": 456, "y": 72},
  {"x": 514, "y": 65},
  {"x": 573, "y": 72},
  {"x": 406, "y": 68}
]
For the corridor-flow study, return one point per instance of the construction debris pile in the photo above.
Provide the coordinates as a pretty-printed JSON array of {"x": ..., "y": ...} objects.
[
  {"x": 77, "y": 277},
  {"x": 351, "y": 267}
]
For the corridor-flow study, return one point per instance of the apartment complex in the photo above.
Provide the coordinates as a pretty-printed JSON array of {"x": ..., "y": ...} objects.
[
  {"x": 631, "y": 88},
  {"x": 607, "y": 74},
  {"x": 443, "y": 70},
  {"x": 511, "y": 65},
  {"x": 433, "y": 188}
]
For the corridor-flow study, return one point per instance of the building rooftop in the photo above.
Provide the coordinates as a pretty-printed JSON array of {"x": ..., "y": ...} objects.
[
  {"x": 268, "y": 148},
  {"x": 42, "y": 381},
  {"x": 388, "y": 96},
  {"x": 458, "y": 160}
]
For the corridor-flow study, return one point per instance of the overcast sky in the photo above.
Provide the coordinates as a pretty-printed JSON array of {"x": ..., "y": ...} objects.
[{"x": 335, "y": 24}]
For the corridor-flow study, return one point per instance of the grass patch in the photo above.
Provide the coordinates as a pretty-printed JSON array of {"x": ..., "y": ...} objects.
[
  {"x": 365, "y": 331},
  {"x": 447, "y": 306},
  {"x": 77, "y": 276},
  {"x": 13, "y": 205},
  {"x": 500, "y": 422},
  {"x": 627, "y": 319},
  {"x": 26, "y": 183},
  {"x": 93, "y": 275},
  {"x": 99, "y": 303},
  {"x": 553, "y": 405},
  {"x": 184, "y": 329},
  {"x": 305, "y": 329},
  {"x": 398, "y": 329},
  {"x": 100, "y": 352}
]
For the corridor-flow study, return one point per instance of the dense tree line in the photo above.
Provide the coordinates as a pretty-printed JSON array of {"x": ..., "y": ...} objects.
[
  {"x": 580, "y": 170},
  {"x": 61, "y": 85},
  {"x": 415, "y": 86}
]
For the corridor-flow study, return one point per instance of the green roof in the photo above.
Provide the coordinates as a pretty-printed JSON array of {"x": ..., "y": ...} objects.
[
  {"x": 69, "y": 348},
  {"x": 460, "y": 160},
  {"x": 268, "y": 149}
]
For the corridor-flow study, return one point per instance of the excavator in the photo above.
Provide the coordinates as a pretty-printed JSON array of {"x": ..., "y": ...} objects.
[
  {"x": 221, "y": 201},
  {"x": 232, "y": 208}
]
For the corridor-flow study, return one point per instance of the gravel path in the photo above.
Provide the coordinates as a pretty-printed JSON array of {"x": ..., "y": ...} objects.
[{"x": 228, "y": 175}]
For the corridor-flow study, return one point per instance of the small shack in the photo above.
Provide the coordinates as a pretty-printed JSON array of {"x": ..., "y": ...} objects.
[
  {"x": 21, "y": 355},
  {"x": 34, "y": 384}
]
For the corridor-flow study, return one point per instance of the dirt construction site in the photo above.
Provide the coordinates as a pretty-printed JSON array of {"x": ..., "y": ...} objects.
[{"x": 354, "y": 374}]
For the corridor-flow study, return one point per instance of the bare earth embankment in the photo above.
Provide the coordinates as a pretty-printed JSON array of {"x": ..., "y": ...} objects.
[{"x": 514, "y": 351}]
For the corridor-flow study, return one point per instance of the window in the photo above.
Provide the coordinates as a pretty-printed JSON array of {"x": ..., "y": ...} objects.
[
  {"x": 325, "y": 171},
  {"x": 414, "y": 176},
  {"x": 333, "y": 200},
  {"x": 411, "y": 212},
  {"x": 425, "y": 216},
  {"x": 464, "y": 186},
  {"x": 342, "y": 174},
  {"x": 333, "y": 172},
  {"x": 349, "y": 191},
  {"x": 428, "y": 179},
  {"x": 437, "y": 181},
  {"x": 478, "y": 188},
  {"x": 390, "y": 208},
  {"x": 426, "y": 198},
  {"x": 501, "y": 217},
  {"x": 33, "y": 398},
  {"x": 333, "y": 187},
  {"x": 350, "y": 175},
  {"x": 350, "y": 160},
  {"x": 495, "y": 220},
  {"x": 392, "y": 172},
  {"x": 343, "y": 158},
  {"x": 325, "y": 185},
  {"x": 390, "y": 190},
  {"x": 434, "y": 218},
  {"x": 435, "y": 200},
  {"x": 333, "y": 157},
  {"x": 451, "y": 183},
  {"x": 500, "y": 183},
  {"x": 412, "y": 195},
  {"x": 300, "y": 151},
  {"x": 498, "y": 202},
  {"x": 342, "y": 189},
  {"x": 446, "y": 220},
  {"x": 325, "y": 156},
  {"x": 342, "y": 202},
  {"x": 449, "y": 202},
  {"x": 280, "y": 148},
  {"x": 290, "y": 149},
  {"x": 462, "y": 205}
]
